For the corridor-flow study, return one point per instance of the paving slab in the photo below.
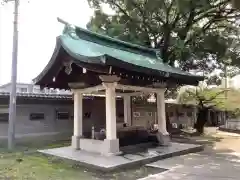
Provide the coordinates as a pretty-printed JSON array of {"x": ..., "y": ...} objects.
[
  {"x": 185, "y": 176},
  {"x": 109, "y": 163},
  {"x": 199, "y": 166}
]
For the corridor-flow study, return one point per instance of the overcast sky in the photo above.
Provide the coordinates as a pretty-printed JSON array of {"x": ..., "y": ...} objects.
[{"x": 38, "y": 28}]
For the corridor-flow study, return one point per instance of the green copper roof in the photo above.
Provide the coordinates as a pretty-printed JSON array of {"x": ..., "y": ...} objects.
[
  {"x": 80, "y": 42},
  {"x": 80, "y": 47},
  {"x": 91, "y": 48}
]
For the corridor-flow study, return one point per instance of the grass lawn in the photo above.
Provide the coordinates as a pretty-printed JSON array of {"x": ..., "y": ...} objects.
[{"x": 27, "y": 164}]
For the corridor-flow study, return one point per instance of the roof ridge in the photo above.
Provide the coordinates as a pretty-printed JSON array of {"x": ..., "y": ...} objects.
[{"x": 131, "y": 46}]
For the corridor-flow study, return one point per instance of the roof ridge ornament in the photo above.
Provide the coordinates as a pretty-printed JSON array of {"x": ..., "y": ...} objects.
[{"x": 69, "y": 29}]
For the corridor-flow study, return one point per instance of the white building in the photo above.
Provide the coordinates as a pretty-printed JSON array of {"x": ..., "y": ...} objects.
[{"x": 31, "y": 88}]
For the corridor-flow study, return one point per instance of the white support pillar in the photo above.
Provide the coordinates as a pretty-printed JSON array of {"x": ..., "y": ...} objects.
[
  {"x": 161, "y": 113},
  {"x": 111, "y": 122},
  {"x": 127, "y": 110},
  {"x": 78, "y": 114},
  {"x": 111, "y": 143},
  {"x": 163, "y": 135}
]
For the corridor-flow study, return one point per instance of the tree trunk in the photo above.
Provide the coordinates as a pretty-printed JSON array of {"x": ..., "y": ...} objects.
[{"x": 201, "y": 120}]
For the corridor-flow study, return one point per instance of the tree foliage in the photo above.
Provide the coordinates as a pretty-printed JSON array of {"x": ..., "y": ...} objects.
[
  {"x": 205, "y": 97},
  {"x": 202, "y": 96},
  {"x": 195, "y": 35}
]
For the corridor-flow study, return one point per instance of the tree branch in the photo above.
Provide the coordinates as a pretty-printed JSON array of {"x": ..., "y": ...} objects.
[
  {"x": 189, "y": 22},
  {"x": 203, "y": 29},
  {"x": 204, "y": 13},
  {"x": 122, "y": 10},
  {"x": 147, "y": 27},
  {"x": 168, "y": 9}
]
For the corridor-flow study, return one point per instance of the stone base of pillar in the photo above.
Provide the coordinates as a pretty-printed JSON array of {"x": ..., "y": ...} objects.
[
  {"x": 76, "y": 142},
  {"x": 164, "y": 140},
  {"x": 111, "y": 147}
]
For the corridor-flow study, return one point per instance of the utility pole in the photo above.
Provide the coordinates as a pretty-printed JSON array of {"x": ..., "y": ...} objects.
[
  {"x": 226, "y": 80},
  {"x": 226, "y": 93},
  {"x": 12, "y": 100},
  {"x": 227, "y": 62}
]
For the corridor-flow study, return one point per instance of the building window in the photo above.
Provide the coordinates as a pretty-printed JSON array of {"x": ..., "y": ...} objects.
[
  {"x": 23, "y": 90},
  {"x": 63, "y": 115},
  {"x": 37, "y": 116},
  {"x": 4, "y": 117}
]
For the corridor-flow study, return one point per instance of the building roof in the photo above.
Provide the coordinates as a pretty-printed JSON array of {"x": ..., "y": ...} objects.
[
  {"x": 89, "y": 49},
  {"x": 67, "y": 97},
  {"x": 49, "y": 96},
  {"x": 99, "y": 49},
  {"x": 38, "y": 95}
]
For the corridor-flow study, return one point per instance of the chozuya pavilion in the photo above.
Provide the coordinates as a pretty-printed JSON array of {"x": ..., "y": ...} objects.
[{"x": 91, "y": 63}]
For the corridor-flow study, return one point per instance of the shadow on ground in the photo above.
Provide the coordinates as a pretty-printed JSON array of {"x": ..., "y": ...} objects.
[{"x": 219, "y": 160}]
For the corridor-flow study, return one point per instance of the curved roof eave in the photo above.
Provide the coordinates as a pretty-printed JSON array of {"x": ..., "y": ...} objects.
[
  {"x": 50, "y": 63},
  {"x": 77, "y": 58}
]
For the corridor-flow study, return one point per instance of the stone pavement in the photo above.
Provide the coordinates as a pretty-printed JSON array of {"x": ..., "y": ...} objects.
[{"x": 220, "y": 162}]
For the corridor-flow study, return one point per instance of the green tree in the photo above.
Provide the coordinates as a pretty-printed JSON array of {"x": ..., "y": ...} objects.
[
  {"x": 204, "y": 98},
  {"x": 192, "y": 34}
]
